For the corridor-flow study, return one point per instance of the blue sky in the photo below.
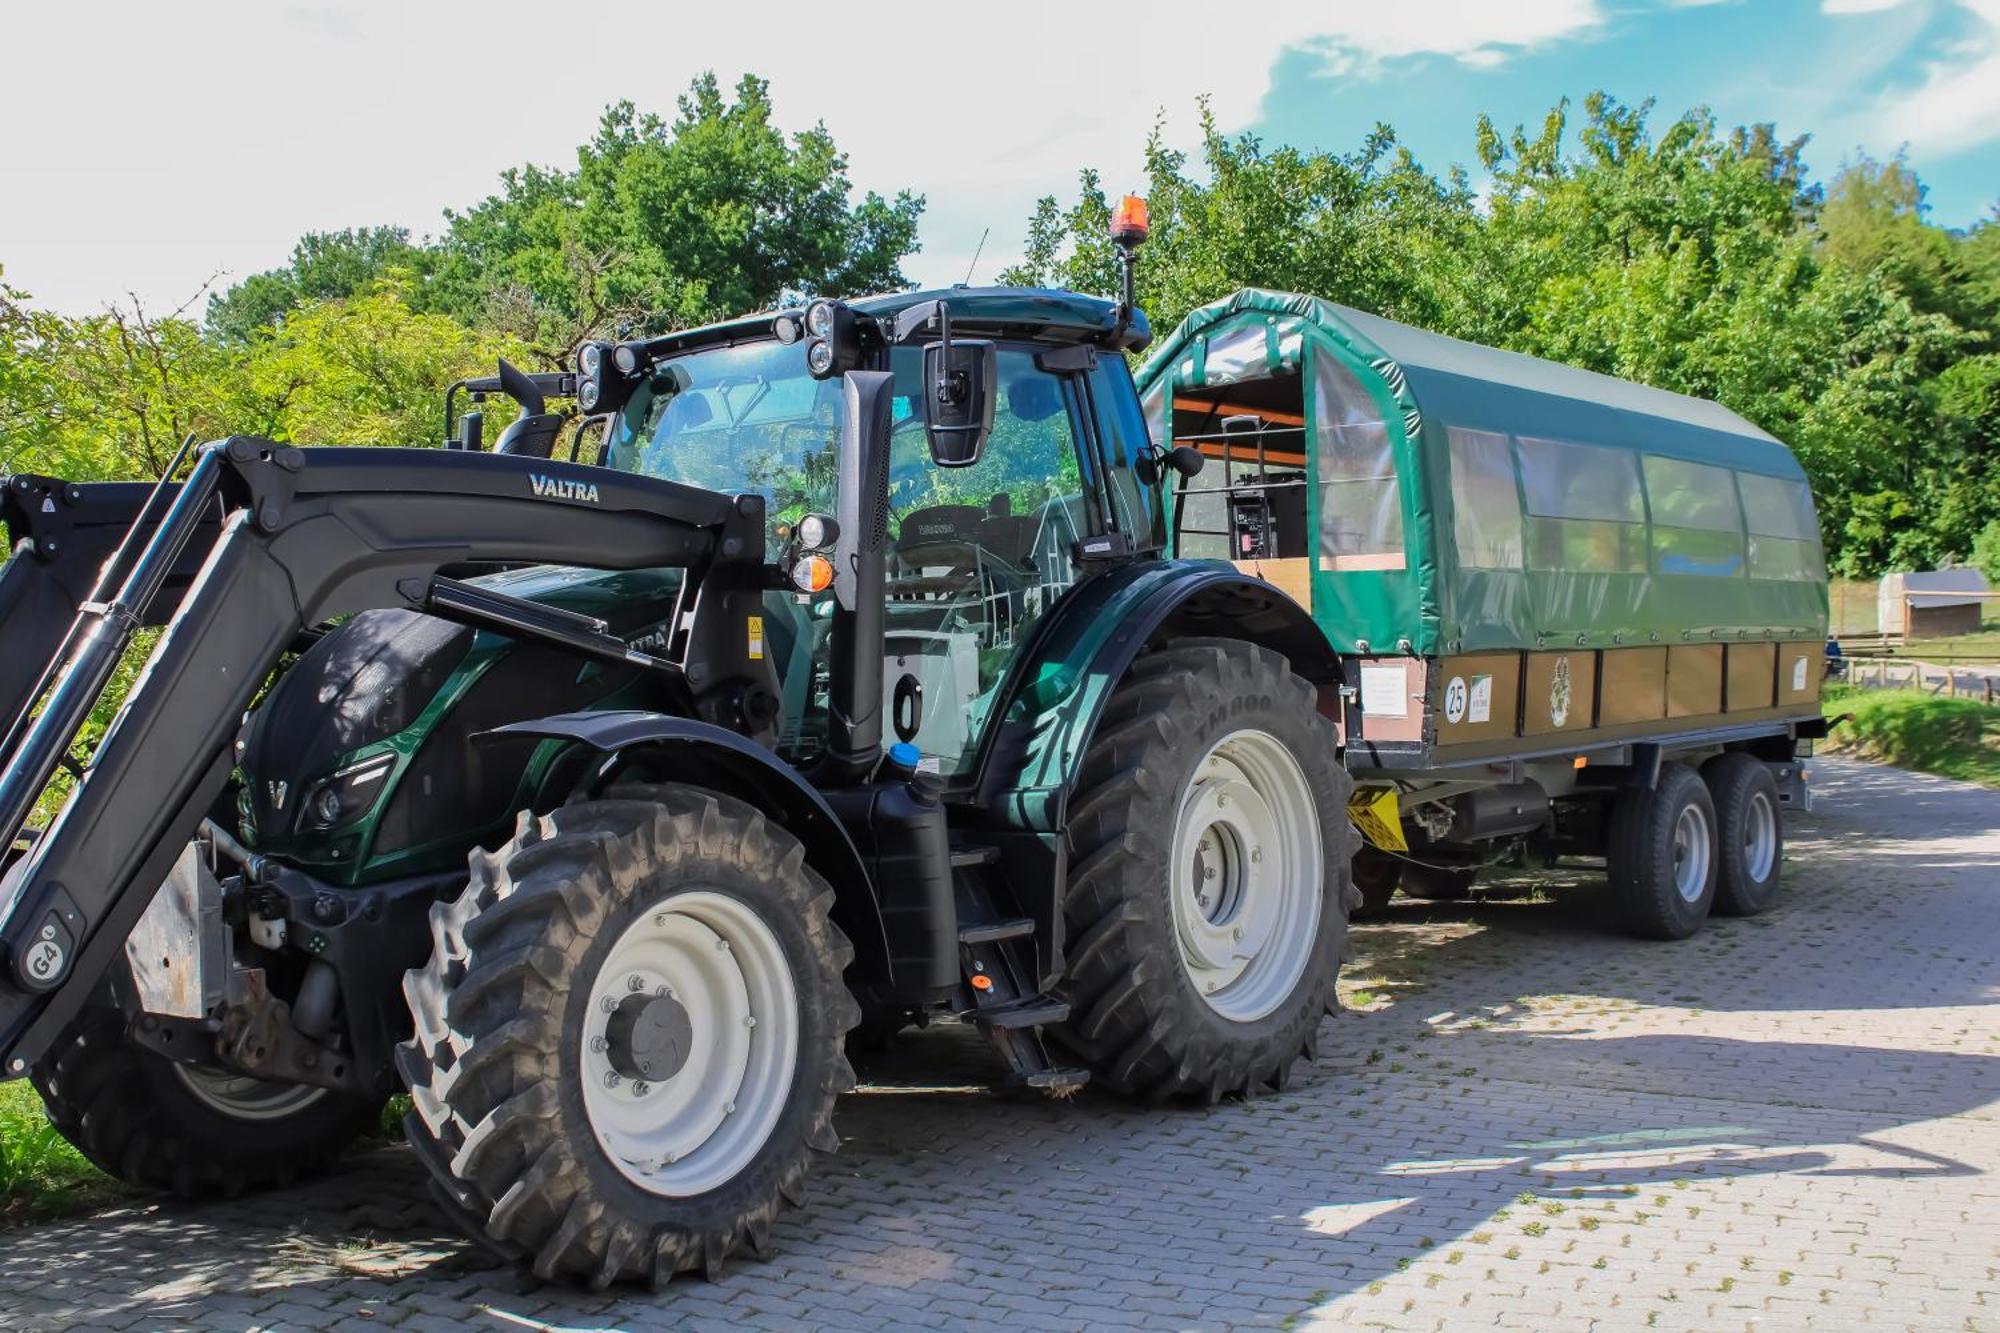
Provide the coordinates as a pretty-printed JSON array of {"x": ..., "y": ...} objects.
[
  {"x": 201, "y": 139},
  {"x": 1855, "y": 81}
]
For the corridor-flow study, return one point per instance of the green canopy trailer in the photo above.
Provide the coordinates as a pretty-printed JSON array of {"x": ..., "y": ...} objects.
[{"x": 1542, "y": 580}]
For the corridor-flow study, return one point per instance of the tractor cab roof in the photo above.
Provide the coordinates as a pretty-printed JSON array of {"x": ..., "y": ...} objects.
[{"x": 1033, "y": 313}]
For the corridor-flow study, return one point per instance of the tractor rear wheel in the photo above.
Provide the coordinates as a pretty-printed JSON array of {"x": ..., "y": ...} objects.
[
  {"x": 629, "y": 1037},
  {"x": 1210, "y": 876},
  {"x": 1661, "y": 855},
  {"x": 188, "y": 1129}
]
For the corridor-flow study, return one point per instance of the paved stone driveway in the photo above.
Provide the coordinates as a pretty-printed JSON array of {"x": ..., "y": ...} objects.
[{"x": 1792, "y": 1122}]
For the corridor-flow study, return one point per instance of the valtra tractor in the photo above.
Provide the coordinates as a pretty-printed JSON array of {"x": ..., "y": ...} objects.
[{"x": 595, "y": 804}]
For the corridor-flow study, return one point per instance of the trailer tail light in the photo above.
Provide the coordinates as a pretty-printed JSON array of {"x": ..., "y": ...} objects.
[{"x": 1130, "y": 220}]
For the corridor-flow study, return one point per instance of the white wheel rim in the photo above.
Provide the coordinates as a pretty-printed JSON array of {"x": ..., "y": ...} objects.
[
  {"x": 1691, "y": 853},
  {"x": 1246, "y": 875},
  {"x": 1760, "y": 837},
  {"x": 698, "y": 1127},
  {"x": 242, "y": 1097}
]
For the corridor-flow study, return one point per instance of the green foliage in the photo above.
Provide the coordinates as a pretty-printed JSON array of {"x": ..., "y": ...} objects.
[
  {"x": 1697, "y": 260},
  {"x": 1958, "y": 738},
  {"x": 1986, "y": 552},
  {"x": 325, "y": 266},
  {"x": 40, "y": 1173}
]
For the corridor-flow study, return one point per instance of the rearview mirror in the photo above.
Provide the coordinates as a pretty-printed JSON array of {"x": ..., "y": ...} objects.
[{"x": 959, "y": 387}]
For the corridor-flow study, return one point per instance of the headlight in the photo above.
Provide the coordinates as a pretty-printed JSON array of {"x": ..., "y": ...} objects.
[
  {"x": 347, "y": 795},
  {"x": 587, "y": 395},
  {"x": 816, "y": 532},
  {"x": 785, "y": 328},
  {"x": 626, "y": 358},
  {"x": 590, "y": 360},
  {"x": 819, "y": 318},
  {"x": 819, "y": 357}
]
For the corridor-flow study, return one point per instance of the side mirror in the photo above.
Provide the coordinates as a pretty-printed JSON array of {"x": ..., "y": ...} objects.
[
  {"x": 1186, "y": 460},
  {"x": 959, "y": 388}
]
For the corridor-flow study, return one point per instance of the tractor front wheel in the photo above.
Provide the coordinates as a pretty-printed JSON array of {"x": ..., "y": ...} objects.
[
  {"x": 629, "y": 1037},
  {"x": 184, "y": 1128},
  {"x": 1210, "y": 876}
]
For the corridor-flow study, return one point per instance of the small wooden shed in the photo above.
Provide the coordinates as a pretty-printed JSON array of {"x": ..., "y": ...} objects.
[{"x": 1932, "y": 604}]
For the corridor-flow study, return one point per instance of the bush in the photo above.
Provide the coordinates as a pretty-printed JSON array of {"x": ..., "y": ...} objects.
[{"x": 1955, "y": 737}]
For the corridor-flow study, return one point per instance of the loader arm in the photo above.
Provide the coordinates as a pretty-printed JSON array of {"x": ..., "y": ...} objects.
[
  {"x": 305, "y": 536},
  {"x": 60, "y": 534}
]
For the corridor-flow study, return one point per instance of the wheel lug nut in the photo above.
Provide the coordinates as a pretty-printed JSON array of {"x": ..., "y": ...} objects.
[
  {"x": 597, "y": 1045},
  {"x": 611, "y": 1078},
  {"x": 640, "y": 1088},
  {"x": 660, "y": 920},
  {"x": 749, "y": 1020},
  {"x": 610, "y": 1006},
  {"x": 729, "y": 1108},
  {"x": 635, "y": 983},
  {"x": 722, "y": 945}
]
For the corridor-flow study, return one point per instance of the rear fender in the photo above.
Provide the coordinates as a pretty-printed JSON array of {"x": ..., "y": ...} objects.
[{"x": 660, "y": 747}]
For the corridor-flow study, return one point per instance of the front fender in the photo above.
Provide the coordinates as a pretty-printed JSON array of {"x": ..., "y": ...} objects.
[
  {"x": 1060, "y": 690},
  {"x": 663, "y": 747}
]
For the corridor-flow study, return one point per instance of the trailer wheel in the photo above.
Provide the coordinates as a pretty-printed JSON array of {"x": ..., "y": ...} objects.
[
  {"x": 629, "y": 1037},
  {"x": 1751, "y": 834},
  {"x": 1661, "y": 855},
  {"x": 1210, "y": 876},
  {"x": 1376, "y": 875},
  {"x": 185, "y": 1129},
  {"x": 1438, "y": 884}
]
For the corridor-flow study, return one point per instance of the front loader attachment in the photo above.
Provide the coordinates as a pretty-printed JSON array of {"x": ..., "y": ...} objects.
[
  {"x": 304, "y": 536},
  {"x": 62, "y": 537}
]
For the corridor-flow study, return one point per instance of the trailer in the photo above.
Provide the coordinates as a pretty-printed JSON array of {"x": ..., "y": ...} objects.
[{"x": 1577, "y": 616}]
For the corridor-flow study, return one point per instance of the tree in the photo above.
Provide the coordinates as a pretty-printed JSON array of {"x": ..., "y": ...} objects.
[
  {"x": 325, "y": 266},
  {"x": 668, "y": 223}
]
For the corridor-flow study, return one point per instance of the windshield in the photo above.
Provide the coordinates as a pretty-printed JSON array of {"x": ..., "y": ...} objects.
[{"x": 751, "y": 418}]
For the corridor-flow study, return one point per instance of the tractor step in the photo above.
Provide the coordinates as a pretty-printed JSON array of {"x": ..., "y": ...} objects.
[
  {"x": 1029, "y": 1013},
  {"x": 968, "y": 857},
  {"x": 987, "y": 932}
]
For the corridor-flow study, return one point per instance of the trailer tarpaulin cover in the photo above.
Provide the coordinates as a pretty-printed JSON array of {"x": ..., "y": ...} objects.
[{"x": 1468, "y": 498}]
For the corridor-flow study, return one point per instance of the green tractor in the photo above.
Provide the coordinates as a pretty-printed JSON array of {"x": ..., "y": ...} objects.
[{"x": 596, "y": 805}]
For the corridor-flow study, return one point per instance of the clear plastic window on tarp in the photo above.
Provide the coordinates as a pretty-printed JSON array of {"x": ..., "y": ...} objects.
[
  {"x": 1784, "y": 534},
  {"x": 1361, "y": 504},
  {"x": 1586, "y": 511},
  {"x": 1697, "y": 522},
  {"x": 1486, "y": 510}
]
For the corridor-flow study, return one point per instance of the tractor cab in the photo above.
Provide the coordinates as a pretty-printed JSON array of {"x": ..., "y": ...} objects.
[{"x": 976, "y": 550}]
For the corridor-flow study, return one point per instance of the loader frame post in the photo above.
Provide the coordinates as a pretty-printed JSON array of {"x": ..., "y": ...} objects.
[{"x": 96, "y": 643}]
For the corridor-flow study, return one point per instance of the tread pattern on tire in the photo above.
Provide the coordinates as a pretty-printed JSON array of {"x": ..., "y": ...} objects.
[
  {"x": 121, "y": 1106},
  {"x": 1124, "y": 981},
  {"x": 1639, "y": 856},
  {"x": 486, "y": 1063},
  {"x": 1727, "y": 777}
]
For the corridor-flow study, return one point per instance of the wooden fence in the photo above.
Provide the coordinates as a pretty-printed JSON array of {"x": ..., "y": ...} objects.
[{"x": 1884, "y": 673}]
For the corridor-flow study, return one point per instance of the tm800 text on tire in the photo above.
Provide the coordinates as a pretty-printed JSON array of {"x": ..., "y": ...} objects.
[
  {"x": 1209, "y": 882},
  {"x": 629, "y": 1038}
]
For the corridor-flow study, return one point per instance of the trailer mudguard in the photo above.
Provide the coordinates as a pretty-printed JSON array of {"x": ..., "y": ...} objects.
[
  {"x": 1059, "y": 686},
  {"x": 662, "y": 747}
]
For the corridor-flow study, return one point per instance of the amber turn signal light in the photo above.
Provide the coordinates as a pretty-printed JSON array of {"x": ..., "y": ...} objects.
[{"x": 812, "y": 573}]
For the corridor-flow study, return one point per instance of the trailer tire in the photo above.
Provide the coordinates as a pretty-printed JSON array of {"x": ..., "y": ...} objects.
[
  {"x": 1661, "y": 855},
  {"x": 1189, "y": 726},
  {"x": 1438, "y": 884},
  {"x": 161, "y": 1125},
  {"x": 1750, "y": 833},
  {"x": 530, "y": 1082},
  {"x": 1376, "y": 877}
]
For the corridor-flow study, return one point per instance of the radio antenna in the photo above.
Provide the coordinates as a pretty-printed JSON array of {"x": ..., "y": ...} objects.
[{"x": 977, "y": 251}]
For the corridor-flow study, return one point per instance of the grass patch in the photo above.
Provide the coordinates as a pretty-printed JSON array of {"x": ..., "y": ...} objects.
[
  {"x": 40, "y": 1174},
  {"x": 1955, "y": 738}
]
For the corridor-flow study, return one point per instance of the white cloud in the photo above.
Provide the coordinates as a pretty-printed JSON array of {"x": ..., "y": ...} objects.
[
  {"x": 1858, "y": 6},
  {"x": 151, "y": 145},
  {"x": 1958, "y": 103}
]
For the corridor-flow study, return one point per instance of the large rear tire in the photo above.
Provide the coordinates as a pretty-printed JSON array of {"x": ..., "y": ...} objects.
[
  {"x": 629, "y": 1037},
  {"x": 1661, "y": 855},
  {"x": 1209, "y": 876},
  {"x": 186, "y": 1129}
]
